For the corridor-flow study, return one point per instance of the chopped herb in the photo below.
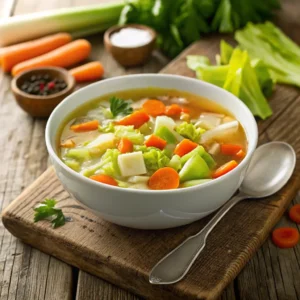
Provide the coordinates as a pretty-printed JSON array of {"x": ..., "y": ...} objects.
[
  {"x": 46, "y": 210},
  {"x": 119, "y": 106}
]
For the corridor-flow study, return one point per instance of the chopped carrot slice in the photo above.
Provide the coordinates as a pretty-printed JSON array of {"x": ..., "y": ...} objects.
[
  {"x": 184, "y": 147},
  {"x": 286, "y": 237},
  {"x": 156, "y": 141},
  {"x": 137, "y": 119},
  {"x": 104, "y": 179},
  {"x": 225, "y": 169},
  {"x": 173, "y": 110},
  {"x": 241, "y": 154},
  {"x": 164, "y": 179},
  {"x": 185, "y": 110},
  {"x": 68, "y": 144},
  {"x": 125, "y": 145},
  {"x": 230, "y": 149},
  {"x": 88, "y": 126},
  {"x": 154, "y": 108},
  {"x": 294, "y": 213}
]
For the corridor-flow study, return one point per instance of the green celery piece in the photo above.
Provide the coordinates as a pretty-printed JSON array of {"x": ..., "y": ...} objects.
[
  {"x": 200, "y": 151},
  {"x": 194, "y": 168},
  {"x": 225, "y": 52},
  {"x": 242, "y": 82},
  {"x": 213, "y": 74},
  {"x": 73, "y": 164},
  {"x": 87, "y": 172},
  {"x": 175, "y": 162},
  {"x": 264, "y": 76},
  {"x": 164, "y": 133},
  {"x": 194, "y": 182},
  {"x": 80, "y": 154},
  {"x": 195, "y": 61},
  {"x": 283, "y": 67}
]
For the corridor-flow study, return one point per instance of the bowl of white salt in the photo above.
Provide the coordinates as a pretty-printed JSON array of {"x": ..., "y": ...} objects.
[{"x": 130, "y": 44}]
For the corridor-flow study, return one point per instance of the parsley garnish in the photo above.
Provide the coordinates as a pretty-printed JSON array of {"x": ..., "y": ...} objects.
[
  {"x": 46, "y": 210},
  {"x": 119, "y": 106}
]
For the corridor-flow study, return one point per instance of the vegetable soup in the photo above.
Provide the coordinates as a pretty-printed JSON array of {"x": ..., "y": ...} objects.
[{"x": 151, "y": 139}]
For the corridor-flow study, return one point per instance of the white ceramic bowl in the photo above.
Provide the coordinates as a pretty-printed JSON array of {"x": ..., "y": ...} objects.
[{"x": 142, "y": 208}]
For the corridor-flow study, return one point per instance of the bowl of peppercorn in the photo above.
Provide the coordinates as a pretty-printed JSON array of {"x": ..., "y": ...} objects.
[{"x": 39, "y": 90}]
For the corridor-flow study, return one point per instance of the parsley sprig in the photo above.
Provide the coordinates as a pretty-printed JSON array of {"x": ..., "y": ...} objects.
[
  {"x": 47, "y": 210},
  {"x": 119, "y": 106}
]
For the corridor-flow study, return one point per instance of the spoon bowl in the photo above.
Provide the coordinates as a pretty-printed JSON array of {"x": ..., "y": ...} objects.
[{"x": 269, "y": 170}]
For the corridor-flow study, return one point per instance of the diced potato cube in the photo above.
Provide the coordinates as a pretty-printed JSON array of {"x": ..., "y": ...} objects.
[
  {"x": 103, "y": 142},
  {"x": 164, "y": 121},
  {"x": 131, "y": 164}
]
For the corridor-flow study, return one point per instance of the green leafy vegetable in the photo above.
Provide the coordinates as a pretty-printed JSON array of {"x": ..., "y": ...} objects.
[
  {"x": 119, "y": 107},
  {"x": 110, "y": 127},
  {"x": 279, "y": 53},
  {"x": 107, "y": 165},
  {"x": 181, "y": 22},
  {"x": 155, "y": 159},
  {"x": 189, "y": 131},
  {"x": 197, "y": 61},
  {"x": 47, "y": 210}
]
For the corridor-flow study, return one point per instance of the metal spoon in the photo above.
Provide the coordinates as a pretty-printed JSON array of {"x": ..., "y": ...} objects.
[{"x": 270, "y": 168}]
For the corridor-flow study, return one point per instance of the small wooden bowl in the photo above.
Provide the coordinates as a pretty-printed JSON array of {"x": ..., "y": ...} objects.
[
  {"x": 41, "y": 106},
  {"x": 134, "y": 56}
]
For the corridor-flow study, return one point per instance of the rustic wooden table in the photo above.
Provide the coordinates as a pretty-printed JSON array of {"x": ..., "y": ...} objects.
[{"x": 26, "y": 273}]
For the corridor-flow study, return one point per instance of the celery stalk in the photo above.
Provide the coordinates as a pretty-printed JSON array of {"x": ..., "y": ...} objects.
[{"x": 25, "y": 27}]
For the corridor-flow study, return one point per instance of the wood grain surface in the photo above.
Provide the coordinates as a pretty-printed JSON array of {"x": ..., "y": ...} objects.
[{"x": 26, "y": 273}]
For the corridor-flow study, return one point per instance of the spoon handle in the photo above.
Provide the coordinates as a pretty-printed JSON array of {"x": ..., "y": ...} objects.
[{"x": 175, "y": 265}]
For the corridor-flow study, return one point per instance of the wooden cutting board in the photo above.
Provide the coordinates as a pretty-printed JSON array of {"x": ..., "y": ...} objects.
[{"x": 125, "y": 256}]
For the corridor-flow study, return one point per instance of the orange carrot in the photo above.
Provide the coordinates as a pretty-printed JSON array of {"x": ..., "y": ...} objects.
[
  {"x": 185, "y": 110},
  {"x": 154, "y": 108},
  {"x": 173, "y": 110},
  {"x": 156, "y": 141},
  {"x": 68, "y": 144},
  {"x": 164, "y": 179},
  {"x": 88, "y": 72},
  {"x": 137, "y": 119},
  {"x": 241, "y": 154},
  {"x": 230, "y": 149},
  {"x": 225, "y": 169},
  {"x": 88, "y": 126},
  {"x": 125, "y": 145},
  {"x": 285, "y": 237},
  {"x": 294, "y": 213},
  {"x": 64, "y": 56},
  {"x": 15, "y": 54},
  {"x": 184, "y": 147},
  {"x": 104, "y": 179}
]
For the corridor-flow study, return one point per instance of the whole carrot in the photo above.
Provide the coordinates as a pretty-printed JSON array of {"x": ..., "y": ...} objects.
[
  {"x": 64, "y": 56},
  {"x": 12, "y": 55},
  {"x": 88, "y": 72}
]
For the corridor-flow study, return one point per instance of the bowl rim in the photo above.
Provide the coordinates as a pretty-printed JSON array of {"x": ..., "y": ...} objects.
[
  {"x": 88, "y": 181},
  {"x": 117, "y": 28},
  {"x": 70, "y": 83}
]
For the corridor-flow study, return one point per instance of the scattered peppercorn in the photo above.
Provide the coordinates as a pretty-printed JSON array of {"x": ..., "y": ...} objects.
[{"x": 43, "y": 85}]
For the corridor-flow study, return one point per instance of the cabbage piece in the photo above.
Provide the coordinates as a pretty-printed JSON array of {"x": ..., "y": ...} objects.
[
  {"x": 129, "y": 132},
  {"x": 189, "y": 131},
  {"x": 73, "y": 164},
  {"x": 108, "y": 165},
  {"x": 80, "y": 154},
  {"x": 134, "y": 135},
  {"x": 155, "y": 159},
  {"x": 175, "y": 162}
]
